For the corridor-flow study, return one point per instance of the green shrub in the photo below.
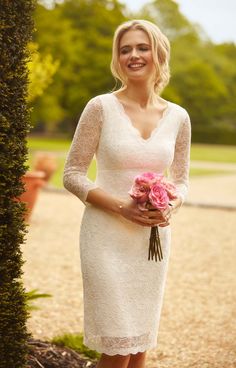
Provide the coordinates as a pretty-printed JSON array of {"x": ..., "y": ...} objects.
[{"x": 16, "y": 30}]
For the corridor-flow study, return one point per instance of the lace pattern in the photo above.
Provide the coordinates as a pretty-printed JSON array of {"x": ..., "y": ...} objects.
[
  {"x": 83, "y": 147},
  {"x": 179, "y": 170},
  {"x": 121, "y": 345}
]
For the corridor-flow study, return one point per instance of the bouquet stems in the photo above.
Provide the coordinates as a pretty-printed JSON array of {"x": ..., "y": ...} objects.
[{"x": 155, "y": 245}]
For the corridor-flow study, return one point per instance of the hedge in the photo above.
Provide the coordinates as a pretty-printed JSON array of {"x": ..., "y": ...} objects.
[{"x": 16, "y": 31}]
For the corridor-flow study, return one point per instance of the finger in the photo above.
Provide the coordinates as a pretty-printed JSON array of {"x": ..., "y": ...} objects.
[
  {"x": 157, "y": 217},
  {"x": 164, "y": 224},
  {"x": 166, "y": 214},
  {"x": 142, "y": 209},
  {"x": 144, "y": 220},
  {"x": 149, "y": 221},
  {"x": 142, "y": 223},
  {"x": 144, "y": 216}
]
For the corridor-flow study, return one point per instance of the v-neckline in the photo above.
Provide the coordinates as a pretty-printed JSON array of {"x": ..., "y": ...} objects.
[{"x": 131, "y": 125}]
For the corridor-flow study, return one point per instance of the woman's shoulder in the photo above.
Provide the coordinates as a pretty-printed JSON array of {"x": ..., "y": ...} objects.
[
  {"x": 99, "y": 102},
  {"x": 179, "y": 110},
  {"x": 103, "y": 103},
  {"x": 98, "y": 106},
  {"x": 100, "y": 98}
]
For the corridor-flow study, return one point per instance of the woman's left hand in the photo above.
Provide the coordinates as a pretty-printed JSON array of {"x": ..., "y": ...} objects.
[{"x": 162, "y": 216}]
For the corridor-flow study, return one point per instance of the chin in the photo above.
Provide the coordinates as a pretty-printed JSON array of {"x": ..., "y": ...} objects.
[{"x": 138, "y": 78}]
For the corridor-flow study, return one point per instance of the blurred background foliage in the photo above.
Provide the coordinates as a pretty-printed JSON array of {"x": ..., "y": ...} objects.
[
  {"x": 41, "y": 72},
  {"x": 72, "y": 52}
]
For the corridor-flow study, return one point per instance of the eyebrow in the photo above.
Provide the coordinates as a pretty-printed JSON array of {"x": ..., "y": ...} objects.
[{"x": 140, "y": 44}]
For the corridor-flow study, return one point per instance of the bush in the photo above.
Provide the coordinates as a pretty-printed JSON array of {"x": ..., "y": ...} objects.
[{"x": 16, "y": 29}]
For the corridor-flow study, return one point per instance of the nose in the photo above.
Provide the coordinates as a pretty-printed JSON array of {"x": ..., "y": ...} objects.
[{"x": 134, "y": 53}]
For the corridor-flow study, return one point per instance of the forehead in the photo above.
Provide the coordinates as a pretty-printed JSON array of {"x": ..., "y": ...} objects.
[{"x": 134, "y": 36}]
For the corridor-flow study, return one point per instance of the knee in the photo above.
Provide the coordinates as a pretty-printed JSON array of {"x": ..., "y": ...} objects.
[{"x": 138, "y": 356}]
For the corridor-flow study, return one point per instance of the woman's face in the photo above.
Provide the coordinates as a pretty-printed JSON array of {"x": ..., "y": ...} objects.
[{"x": 135, "y": 55}]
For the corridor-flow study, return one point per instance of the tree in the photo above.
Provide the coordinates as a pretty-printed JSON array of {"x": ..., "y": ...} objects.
[
  {"x": 166, "y": 14},
  {"x": 16, "y": 28},
  {"x": 202, "y": 74},
  {"x": 79, "y": 35},
  {"x": 41, "y": 72},
  {"x": 201, "y": 90}
]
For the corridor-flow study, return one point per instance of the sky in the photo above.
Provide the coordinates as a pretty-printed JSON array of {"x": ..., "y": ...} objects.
[{"x": 217, "y": 17}]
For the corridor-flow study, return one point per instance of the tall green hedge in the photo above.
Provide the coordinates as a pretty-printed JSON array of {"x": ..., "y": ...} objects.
[{"x": 15, "y": 32}]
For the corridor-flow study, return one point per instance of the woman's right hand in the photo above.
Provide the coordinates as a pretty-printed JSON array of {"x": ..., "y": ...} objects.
[{"x": 144, "y": 217}]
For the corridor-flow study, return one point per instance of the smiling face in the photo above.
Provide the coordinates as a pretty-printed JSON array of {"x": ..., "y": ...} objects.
[{"x": 135, "y": 56}]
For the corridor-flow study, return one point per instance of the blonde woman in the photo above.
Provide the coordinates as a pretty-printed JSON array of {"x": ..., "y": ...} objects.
[{"x": 131, "y": 130}]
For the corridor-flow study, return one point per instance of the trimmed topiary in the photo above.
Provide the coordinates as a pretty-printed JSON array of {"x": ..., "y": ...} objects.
[{"x": 16, "y": 31}]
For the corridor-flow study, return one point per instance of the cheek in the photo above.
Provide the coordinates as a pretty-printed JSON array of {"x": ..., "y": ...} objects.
[
  {"x": 150, "y": 58},
  {"x": 123, "y": 59}
]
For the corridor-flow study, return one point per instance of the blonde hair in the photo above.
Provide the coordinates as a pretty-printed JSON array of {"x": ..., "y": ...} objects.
[{"x": 160, "y": 50}]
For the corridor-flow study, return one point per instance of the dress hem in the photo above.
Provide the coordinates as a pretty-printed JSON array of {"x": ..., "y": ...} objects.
[{"x": 112, "y": 352}]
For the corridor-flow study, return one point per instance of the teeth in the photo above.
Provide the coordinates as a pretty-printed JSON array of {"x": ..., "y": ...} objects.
[{"x": 135, "y": 65}]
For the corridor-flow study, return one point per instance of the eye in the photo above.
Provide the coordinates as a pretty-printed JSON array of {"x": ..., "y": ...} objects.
[
  {"x": 125, "y": 50},
  {"x": 144, "y": 48}
]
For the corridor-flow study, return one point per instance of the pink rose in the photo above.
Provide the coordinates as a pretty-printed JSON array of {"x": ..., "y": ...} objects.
[
  {"x": 148, "y": 179},
  {"x": 139, "y": 193},
  {"x": 158, "y": 196},
  {"x": 170, "y": 189}
]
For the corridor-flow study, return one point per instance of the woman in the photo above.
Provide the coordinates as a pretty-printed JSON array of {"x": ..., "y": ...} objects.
[{"x": 131, "y": 131}]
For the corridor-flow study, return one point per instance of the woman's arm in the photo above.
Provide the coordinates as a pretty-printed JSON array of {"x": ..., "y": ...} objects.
[
  {"x": 82, "y": 149},
  {"x": 179, "y": 170}
]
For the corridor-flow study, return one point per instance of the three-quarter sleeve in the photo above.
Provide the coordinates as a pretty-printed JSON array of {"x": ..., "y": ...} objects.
[
  {"x": 82, "y": 150},
  {"x": 179, "y": 170}
]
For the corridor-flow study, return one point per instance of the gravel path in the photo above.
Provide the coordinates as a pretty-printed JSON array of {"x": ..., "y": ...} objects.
[{"x": 197, "y": 327}]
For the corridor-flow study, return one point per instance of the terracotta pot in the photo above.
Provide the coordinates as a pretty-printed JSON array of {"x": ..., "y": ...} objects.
[
  {"x": 33, "y": 180},
  {"x": 47, "y": 163}
]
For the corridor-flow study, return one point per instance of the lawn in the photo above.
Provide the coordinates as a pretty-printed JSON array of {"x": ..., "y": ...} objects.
[
  {"x": 213, "y": 153},
  {"x": 199, "y": 152},
  {"x": 47, "y": 144}
]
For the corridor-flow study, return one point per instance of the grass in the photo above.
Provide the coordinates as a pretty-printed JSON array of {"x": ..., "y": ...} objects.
[
  {"x": 48, "y": 144},
  {"x": 32, "y": 295},
  {"x": 213, "y": 153},
  {"x": 205, "y": 172},
  {"x": 75, "y": 342},
  {"x": 200, "y": 152}
]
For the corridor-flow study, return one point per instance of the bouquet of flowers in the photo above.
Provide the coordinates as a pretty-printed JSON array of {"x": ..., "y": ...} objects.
[{"x": 153, "y": 189}]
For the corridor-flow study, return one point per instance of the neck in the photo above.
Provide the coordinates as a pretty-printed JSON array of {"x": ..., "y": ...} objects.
[{"x": 142, "y": 93}]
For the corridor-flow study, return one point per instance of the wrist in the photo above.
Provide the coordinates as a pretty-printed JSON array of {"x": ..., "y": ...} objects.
[{"x": 119, "y": 207}]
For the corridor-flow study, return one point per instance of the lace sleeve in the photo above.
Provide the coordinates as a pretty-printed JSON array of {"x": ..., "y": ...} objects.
[
  {"x": 179, "y": 170},
  {"x": 82, "y": 149}
]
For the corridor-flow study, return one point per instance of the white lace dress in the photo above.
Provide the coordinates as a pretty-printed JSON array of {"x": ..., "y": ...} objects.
[{"x": 123, "y": 291}]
